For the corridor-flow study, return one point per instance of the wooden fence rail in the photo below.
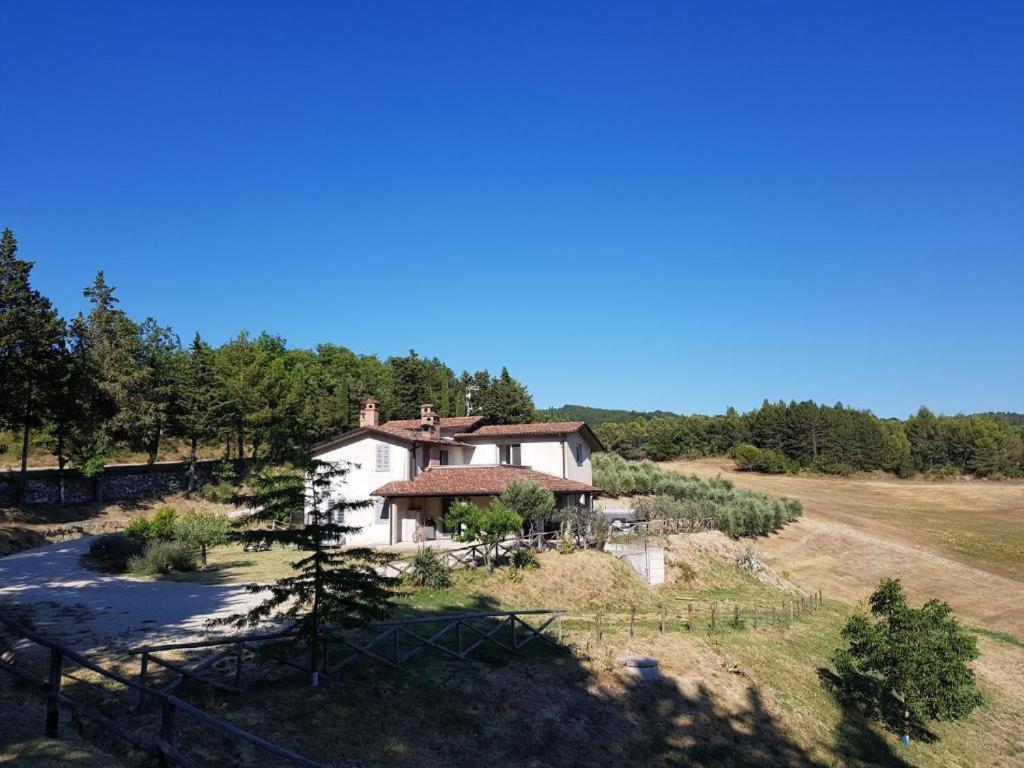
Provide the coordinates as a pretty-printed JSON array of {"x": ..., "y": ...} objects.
[
  {"x": 474, "y": 554},
  {"x": 708, "y": 614},
  {"x": 389, "y": 643},
  {"x": 161, "y": 746}
]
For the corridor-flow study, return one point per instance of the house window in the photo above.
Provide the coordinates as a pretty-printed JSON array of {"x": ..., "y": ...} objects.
[
  {"x": 511, "y": 454},
  {"x": 444, "y": 458},
  {"x": 384, "y": 458},
  {"x": 579, "y": 453},
  {"x": 382, "y": 508}
]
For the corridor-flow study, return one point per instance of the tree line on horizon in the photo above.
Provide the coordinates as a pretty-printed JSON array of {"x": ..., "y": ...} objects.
[
  {"x": 786, "y": 437},
  {"x": 102, "y": 382}
]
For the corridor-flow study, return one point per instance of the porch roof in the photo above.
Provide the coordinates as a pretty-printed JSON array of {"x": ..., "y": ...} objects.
[{"x": 477, "y": 480}]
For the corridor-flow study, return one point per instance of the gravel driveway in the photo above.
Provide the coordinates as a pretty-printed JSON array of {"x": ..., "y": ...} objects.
[{"x": 85, "y": 608}]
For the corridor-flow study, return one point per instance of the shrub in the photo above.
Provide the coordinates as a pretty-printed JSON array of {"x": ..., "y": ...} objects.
[
  {"x": 428, "y": 570},
  {"x": 601, "y": 528},
  {"x": 162, "y": 557},
  {"x": 113, "y": 551},
  {"x": 775, "y": 463},
  {"x": 161, "y": 525},
  {"x": 565, "y": 544},
  {"x": 137, "y": 529},
  {"x": 753, "y": 459},
  {"x": 747, "y": 457},
  {"x": 525, "y": 560},
  {"x": 219, "y": 493}
]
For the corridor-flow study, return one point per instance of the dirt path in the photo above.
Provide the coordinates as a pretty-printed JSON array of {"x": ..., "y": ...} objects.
[
  {"x": 85, "y": 608},
  {"x": 854, "y": 532}
]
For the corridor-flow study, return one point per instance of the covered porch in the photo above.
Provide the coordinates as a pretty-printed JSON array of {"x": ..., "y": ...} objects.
[{"x": 420, "y": 519}]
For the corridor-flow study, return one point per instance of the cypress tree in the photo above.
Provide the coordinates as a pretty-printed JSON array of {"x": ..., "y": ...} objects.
[{"x": 31, "y": 348}]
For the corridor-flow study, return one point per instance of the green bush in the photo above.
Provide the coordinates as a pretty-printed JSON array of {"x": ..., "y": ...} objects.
[
  {"x": 138, "y": 529},
  {"x": 428, "y": 570},
  {"x": 163, "y": 557},
  {"x": 113, "y": 551},
  {"x": 753, "y": 459},
  {"x": 525, "y": 560},
  {"x": 159, "y": 527},
  {"x": 219, "y": 493},
  {"x": 747, "y": 457}
]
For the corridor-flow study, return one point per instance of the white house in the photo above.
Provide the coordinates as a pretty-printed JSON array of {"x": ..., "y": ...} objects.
[{"x": 413, "y": 469}]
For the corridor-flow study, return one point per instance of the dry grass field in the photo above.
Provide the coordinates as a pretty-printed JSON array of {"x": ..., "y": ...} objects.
[{"x": 958, "y": 540}]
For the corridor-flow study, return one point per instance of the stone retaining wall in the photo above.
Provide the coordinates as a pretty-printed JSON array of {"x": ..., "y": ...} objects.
[{"x": 119, "y": 482}]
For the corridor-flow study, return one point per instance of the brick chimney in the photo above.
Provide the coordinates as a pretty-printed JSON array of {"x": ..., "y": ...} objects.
[
  {"x": 369, "y": 412},
  {"x": 429, "y": 421}
]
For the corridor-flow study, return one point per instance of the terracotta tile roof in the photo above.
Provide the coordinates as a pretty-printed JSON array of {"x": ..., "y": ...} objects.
[
  {"x": 530, "y": 430},
  {"x": 467, "y": 480},
  {"x": 446, "y": 423},
  {"x": 545, "y": 428},
  {"x": 402, "y": 434}
]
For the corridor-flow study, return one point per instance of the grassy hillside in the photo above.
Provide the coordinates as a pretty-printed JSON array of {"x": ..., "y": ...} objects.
[{"x": 732, "y": 696}]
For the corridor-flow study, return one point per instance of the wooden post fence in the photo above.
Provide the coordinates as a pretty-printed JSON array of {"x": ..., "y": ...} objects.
[{"x": 53, "y": 693}]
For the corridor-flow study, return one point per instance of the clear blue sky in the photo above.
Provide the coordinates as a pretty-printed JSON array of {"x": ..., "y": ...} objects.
[{"x": 680, "y": 205}]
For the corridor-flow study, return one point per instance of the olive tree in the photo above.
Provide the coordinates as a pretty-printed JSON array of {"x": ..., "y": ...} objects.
[
  {"x": 531, "y": 501},
  {"x": 202, "y": 529},
  {"x": 489, "y": 525}
]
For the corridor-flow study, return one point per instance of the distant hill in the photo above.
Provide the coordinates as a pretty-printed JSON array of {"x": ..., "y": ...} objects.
[{"x": 595, "y": 417}]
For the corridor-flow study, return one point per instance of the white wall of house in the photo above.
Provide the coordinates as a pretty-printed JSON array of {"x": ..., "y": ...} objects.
[
  {"x": 581, "y": 471},
  {"x": 365, "y": 478},
  {"x": 543, "y": 453}
]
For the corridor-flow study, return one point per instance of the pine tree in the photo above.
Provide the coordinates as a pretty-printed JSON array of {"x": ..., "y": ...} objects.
[
  {"x": 195, "y": 412},
  {"x": 506, "y": 401},
  {"x": 31, "y": 350},
  {"x": 410, "y": 389},
  {"x": 332, "y": 587}
]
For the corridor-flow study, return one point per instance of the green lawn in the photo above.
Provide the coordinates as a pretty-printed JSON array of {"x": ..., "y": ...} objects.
[{"x": 230, "y": 565}]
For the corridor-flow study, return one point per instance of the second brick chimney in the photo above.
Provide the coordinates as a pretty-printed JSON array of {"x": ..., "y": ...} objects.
[
  {"x": 369, "y": 412},
  {"x": 429, "y": 421}
]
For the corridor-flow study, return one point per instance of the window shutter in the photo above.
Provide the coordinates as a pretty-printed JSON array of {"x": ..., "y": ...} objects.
[{"x": 383, "y": 458}]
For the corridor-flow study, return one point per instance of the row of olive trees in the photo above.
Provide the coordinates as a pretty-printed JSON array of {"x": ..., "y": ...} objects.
[{"x": 733, "y": 511}]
